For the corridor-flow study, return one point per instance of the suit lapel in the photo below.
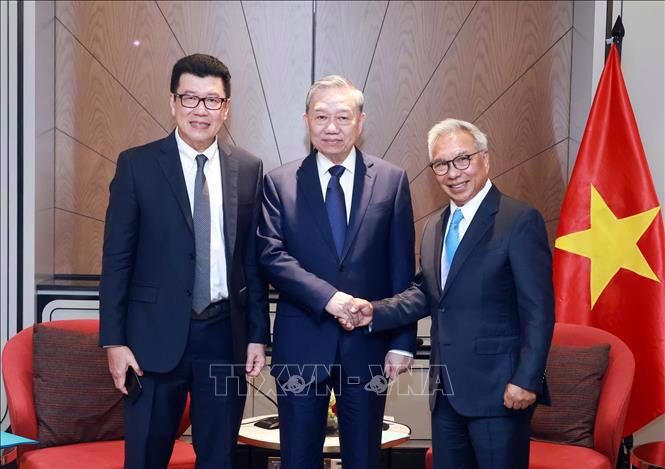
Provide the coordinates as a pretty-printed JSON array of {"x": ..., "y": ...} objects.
[
  {"x": 309, "y": 186},
  {"x": 441, "y": 223},
  {"x": 229, "y": 168},
  {"x": 169, "y": 160},
  {"x": 482, "y": 221},
  {"x": 363, "y": 185}
]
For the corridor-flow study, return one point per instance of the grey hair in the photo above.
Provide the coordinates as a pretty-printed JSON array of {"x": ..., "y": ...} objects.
[
  {"x": 448, "y": 126},
  {"x": 335, "y": 81}
]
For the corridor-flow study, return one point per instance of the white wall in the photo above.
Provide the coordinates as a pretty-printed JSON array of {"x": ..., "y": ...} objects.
[
  {"x": 38, "y": 154},
  {"x": 9, "y": 180},
  {"x": 643, "y": 65}
]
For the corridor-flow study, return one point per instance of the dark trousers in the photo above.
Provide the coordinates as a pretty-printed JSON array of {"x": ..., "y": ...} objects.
[
  {"x": 460, "y": 442},
  {"x": 303, "y": 416},
  {"x": 217, "y": 402}
]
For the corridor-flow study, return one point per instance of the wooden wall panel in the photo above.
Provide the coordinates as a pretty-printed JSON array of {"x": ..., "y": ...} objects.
[
  {"x": 534, "y": 111},
  {"x": 266, "y": 383},
  {"x": 551, "y": 228},
  {"x": 539, "y": 181},
  {"x": 404, "y": 406},
  {"x": 414, "y": 38},
  {"x": 44, "y": 169},
  {"x": 82, "y": 178},
  {"x": 346, "y": 37},
  {"x": 281, "y": 35},
  {"x": 109, "y": 29},
  {"x": 92, "y": 107},
  {"x": 426, "y": 195},
  {"x": 498, "y": 43},
  {"x": 488, "y": 62},
  {"x": 78, "y": 241},
  {"x": 529, "y": 113},
  {"x": 419, "y": 228},
  {"x": 44, "y": 243},
  {"x": 222, "y": 32},
  {"x": 530, "y": 116}
]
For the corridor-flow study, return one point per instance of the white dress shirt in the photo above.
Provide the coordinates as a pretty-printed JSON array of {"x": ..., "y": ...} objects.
[
  {"x": 469, "y": 210},
  {"x": 213, "y": 173}
]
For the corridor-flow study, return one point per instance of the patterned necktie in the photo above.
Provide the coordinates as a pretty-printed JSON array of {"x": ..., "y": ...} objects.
[
  {"x": 336, "y": 207},
  {"x": 202, "y": 238},
  {"x": 453, "y": 240}
]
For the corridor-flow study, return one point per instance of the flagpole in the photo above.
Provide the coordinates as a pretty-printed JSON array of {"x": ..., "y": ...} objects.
[
  {"x": 618, "y": 32},
  {"x": 616, "y": 37}
]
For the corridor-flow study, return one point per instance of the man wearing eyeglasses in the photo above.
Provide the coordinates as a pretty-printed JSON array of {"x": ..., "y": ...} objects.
[
  {"x": 486, "y": 279},
  {"x": 181, "y": 299}
]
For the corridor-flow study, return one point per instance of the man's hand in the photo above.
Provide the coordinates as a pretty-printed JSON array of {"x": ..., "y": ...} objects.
[
  {"x": 362, "y": 310},
  {"x": 359, "y": 314},
  {"x": 515, "y": 397},
  {"x": 120, "y": 358},
  {"x": 338, "y": 306},
  {"x": 396, "y": 364},
  {"x": 256, "y": 359}
]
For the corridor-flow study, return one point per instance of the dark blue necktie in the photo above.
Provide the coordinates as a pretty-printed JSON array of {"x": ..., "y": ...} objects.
[{"x": 336, "y": 207}]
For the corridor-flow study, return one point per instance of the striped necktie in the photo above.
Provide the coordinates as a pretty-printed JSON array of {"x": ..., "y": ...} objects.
[{"x": 202, "y": 238}]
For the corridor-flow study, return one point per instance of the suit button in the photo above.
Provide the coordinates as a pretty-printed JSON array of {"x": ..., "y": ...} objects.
[
  {"x": 192, "y": 256},
  {"x": 189, "y": 292},
  {"x": 341, "y": 268}
]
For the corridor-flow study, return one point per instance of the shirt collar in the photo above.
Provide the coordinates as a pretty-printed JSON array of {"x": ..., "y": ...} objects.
[
  {"x": 191, "y": 153},
  {"x": 470, "y": 208},
  {"x": 324, "y": 164}
]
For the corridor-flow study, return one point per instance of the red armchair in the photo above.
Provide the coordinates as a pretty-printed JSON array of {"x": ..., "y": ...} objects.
[
  {"x": 612, "y": 405},
  {"x": 18, "y": 378},
  {"x": 611, "y": 413}
]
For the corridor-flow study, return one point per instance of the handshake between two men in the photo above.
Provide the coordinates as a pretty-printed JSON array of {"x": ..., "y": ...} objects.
[
  {"x": 349, "y": 311},
  {"x": 356, "y": 312}
]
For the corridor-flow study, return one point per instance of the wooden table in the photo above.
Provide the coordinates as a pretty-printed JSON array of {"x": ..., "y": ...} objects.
[{"x": 250, "y": 434}]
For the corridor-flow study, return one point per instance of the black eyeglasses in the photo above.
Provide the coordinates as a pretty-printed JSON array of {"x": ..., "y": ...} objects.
[
  {"x": 211, "y": 103},
  {"x": 460, "y": 162}
]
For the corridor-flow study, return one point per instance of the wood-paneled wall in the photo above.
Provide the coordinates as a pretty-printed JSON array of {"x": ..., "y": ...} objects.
[{"x": 503, "y": 65}]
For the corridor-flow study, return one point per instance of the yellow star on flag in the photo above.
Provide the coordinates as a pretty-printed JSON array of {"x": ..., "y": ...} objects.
[{"x": 610, "y": 243}]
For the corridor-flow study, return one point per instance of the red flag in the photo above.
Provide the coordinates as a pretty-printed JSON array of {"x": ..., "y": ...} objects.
[{"x": 609, "y": 261}]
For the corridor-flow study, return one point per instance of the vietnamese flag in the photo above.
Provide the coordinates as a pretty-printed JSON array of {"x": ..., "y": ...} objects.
[{"x": 609, "y": 259}]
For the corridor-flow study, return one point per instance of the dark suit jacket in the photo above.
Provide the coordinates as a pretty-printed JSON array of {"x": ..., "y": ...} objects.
[
  {"x": 298, "y": 255},
  {"x": 492, "y": 323},
  {"x": 149, "y": 256}
]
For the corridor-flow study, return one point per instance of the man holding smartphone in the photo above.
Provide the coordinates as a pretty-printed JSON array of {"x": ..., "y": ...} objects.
[{"x": 181, "y": 299}]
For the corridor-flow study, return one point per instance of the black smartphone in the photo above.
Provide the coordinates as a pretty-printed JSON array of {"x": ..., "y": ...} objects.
[
  {"x": 133, "y": 385},
  {"x": 269, "y": 423}
]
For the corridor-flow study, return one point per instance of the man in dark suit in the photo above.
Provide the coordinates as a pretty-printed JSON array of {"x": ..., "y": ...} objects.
[
  {"x": 335, "y": 225},
  {"x": 486, "y": 279},
  {"x": 181, "y": 298}
]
